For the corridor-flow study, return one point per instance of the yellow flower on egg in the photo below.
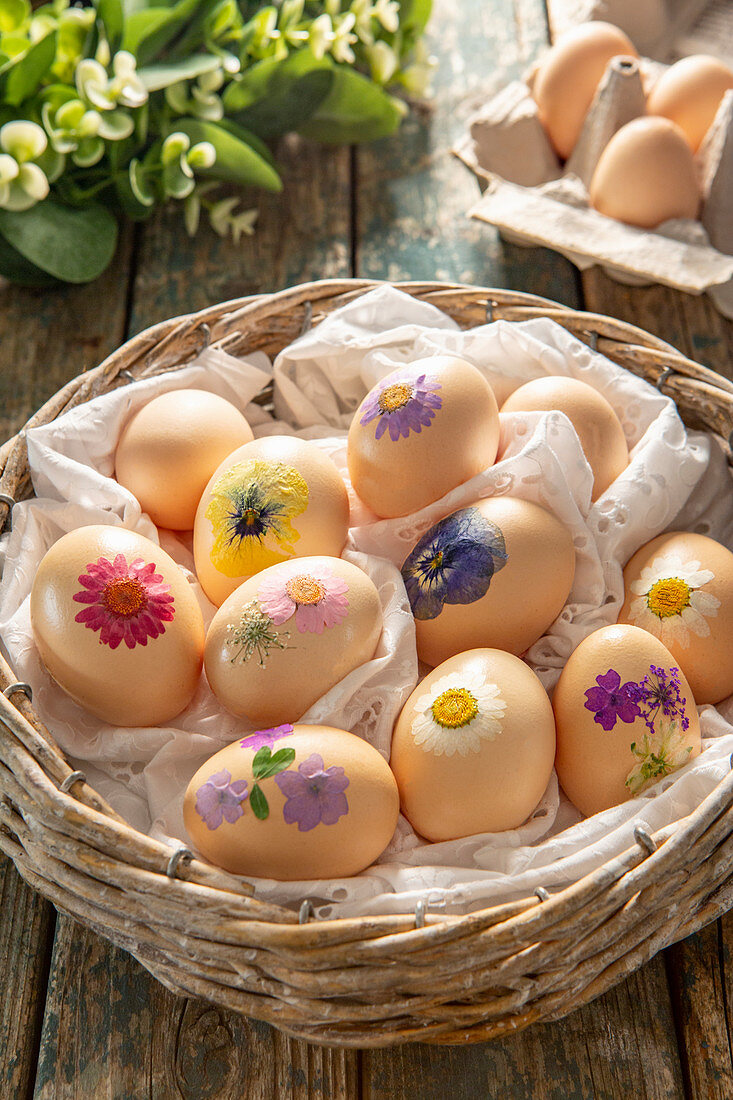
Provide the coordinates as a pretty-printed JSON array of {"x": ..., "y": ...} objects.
[
  {"x": 670, "y": 602},
  {"x": 251, "y": 511}
]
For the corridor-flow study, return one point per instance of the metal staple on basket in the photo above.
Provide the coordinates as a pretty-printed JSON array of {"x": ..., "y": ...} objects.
[
  {"x": 365, "y": 980},
  {"x": 18, "y": 686}
]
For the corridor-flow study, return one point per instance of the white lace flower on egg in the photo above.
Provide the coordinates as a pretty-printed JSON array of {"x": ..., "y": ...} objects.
[
  {"x": 457, "y": 714},
  {"x": 670, "y": 599}
]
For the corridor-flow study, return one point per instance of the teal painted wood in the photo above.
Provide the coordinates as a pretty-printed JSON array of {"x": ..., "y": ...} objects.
[
  {"x": 302, "y": 234},
  {"x": 412, "y": 195}
]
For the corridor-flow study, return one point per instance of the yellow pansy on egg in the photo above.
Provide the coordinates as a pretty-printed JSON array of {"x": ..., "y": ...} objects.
[
  {"x": 473, "y": 747},
  {"x": 118, "y": 626},
  {"x": 273, "y": 499},
  {"x": 424, "y": 429},
  {"x": 169, "y": 449},
  {"x": 626, "y": 718},
  {"x": 288, "y": 634},
  {"x": 293, "y": 802},
  {"x": 495, "y": 574},
  {"x": 679, "y": 587}
]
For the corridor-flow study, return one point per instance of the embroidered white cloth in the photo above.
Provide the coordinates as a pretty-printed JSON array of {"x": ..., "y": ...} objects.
[{"x": 676, "y": 480}]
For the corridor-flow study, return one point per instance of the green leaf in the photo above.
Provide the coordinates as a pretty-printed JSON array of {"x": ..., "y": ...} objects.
[
  {"x": 166, "y": 73},
  {"x": 266, "y": 765},
  {"x": 258, "y": 802},
  {"x": 23, "y": 77},
  {"x": 73, "y": 245},
  {"x": 236, "y": 160},
  {"x": 273, "y": 97},
  {"x": 150, "y": 30},
  {"x": 112, "y": 16},
  {"x": 248, "y": 138},
  {"x": 414, "y": 15},
  {"x": 17, "y": 269},
  {"x": 355, "y": 110}
]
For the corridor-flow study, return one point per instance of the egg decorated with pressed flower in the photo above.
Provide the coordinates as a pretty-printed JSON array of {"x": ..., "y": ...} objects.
[
  {"x": 169, "y": 449},
  {"x": 495, "y": 574},
  {"x": 473, "y": 747},
  {"x": 424, "y": 429},
  {"x": 679, "y": 587},
  {"x": 289, "y": 634},
  {"x": 118, "y": 626},
  {"x": 626, "y": 718},
  {"x": 293, "y": 802},
  {"x": 594, "y": 419},
  {"x": 271, "y": 500}
]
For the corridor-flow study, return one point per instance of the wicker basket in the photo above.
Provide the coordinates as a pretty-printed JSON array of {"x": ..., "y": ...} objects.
[{"x": 365, "y": 981}]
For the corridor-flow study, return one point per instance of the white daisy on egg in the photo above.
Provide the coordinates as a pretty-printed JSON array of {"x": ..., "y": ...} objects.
[
  {"x": 457, "y": 714},
  {"x": 670, "y": 602}
]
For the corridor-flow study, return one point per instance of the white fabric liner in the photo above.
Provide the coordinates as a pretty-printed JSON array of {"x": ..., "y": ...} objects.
[{"x": 676, "y": 480}]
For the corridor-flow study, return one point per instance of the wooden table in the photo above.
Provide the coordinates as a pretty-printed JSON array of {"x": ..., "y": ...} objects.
[{"x": 79, "y": 1018}]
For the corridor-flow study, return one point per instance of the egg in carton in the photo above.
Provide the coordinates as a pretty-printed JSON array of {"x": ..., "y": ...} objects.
[{"x": 534, "y": 199}]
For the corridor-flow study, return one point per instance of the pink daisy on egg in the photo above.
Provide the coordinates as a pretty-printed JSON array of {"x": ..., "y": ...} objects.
[
  {"x": 125, "y": 603},
  {"x": 309, "y": 590}
]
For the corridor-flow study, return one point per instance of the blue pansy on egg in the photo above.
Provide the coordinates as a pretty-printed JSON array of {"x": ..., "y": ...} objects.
[
  {"x": 293, "y": 802},
  {"x": 421, "y": 431},
  {"x": 626, "y": 718},
  {"x": 495, "y": 574}
]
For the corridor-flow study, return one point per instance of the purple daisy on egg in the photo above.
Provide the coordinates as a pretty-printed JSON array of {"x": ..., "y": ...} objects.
[
  {"x": 314, "y": 794},
  {"x": 268, "y": 737},
  {"x": 611, "y": 700},
  {"x": 219, "y": 799},
  {"x": 402, "y": 404}
]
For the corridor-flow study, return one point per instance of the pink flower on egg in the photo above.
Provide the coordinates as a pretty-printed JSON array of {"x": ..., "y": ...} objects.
[
  {"x": 125, "y": 603},
  {"x": 308, "y": 590}
]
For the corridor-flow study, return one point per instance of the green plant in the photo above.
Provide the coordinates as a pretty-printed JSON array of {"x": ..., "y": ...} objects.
[{"x": 115, "y": 108}]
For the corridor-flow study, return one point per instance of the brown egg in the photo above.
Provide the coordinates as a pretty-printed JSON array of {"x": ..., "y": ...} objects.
[
  {"x": 271, "y": 500},
  {"x": 288, "y": 634},
  {"x": 295, "y": 802},
  {"x": 599, "y": 429},
  {"x": 679, "y": 587},
  {"x": 617, "y": 679},
  {"x": 420, "y": 432},
  {"x": 568, "y": 76},
  {"x": 117, "y": 625},
  {"x": 495, "y": 574},
  {"x": 689, "y": 93},
  {"x": 646, "y": 175},
  {"x": 473, "y": 747},
  {"x": 170, "y": 448}
]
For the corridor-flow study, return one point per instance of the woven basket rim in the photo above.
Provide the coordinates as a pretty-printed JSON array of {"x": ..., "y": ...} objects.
[{"x": 72, "y": 846}]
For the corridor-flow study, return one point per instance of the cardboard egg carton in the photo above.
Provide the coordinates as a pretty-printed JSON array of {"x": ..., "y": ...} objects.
[
  {"x": 533, "y": 199},
  {"x": 665, "y": 30}
]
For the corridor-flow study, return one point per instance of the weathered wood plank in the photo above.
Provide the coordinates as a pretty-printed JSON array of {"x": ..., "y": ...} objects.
[
  {"x": 302, "y": 234},
  {"x": 49, "y": 336},
  {"x": 620, "y": 1046},
  {"x": 26, "y": 936},
  {"x": 691, "y": 323},
  {"x": 112, "y": 1030},
  {"x": 412, "y": 194},
  {"x": 699, "y": 972}
]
